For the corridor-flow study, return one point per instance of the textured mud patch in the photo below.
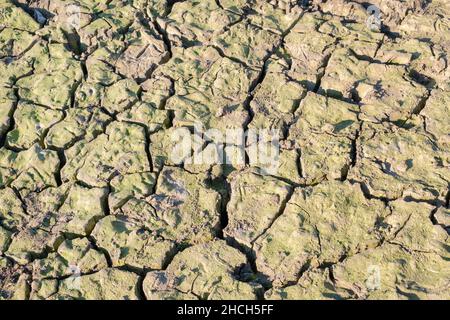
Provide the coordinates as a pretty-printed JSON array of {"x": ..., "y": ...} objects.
[{"x": 94, "y": 206}]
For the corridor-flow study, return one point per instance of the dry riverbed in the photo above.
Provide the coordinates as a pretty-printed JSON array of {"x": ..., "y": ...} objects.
[{"x": 92, "y": 205}]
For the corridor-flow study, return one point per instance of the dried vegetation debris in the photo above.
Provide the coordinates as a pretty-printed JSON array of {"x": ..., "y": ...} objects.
[{"x": 92, "y": 206}]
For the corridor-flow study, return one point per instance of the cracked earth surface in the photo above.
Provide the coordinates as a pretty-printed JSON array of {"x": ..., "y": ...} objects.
[{"x": 86, "y": 181}]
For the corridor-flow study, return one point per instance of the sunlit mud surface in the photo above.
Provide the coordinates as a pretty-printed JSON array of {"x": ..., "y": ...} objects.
[{"x": 92, "y": 206}]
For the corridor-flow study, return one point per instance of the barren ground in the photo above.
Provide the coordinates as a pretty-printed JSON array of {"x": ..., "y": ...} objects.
[{"x": 93, "y": 207}]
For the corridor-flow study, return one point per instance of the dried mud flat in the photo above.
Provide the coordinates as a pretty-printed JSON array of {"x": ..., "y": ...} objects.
[{"x": 91, "y": 206}]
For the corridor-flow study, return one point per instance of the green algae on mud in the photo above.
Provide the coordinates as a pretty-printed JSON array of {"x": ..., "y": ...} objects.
[{"x": 94, "y": 206}]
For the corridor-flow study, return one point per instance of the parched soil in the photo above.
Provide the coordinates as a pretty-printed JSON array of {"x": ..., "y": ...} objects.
[{"x": 93, "y": 206}]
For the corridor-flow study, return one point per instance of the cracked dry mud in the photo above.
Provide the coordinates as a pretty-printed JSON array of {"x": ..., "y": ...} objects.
[{"x": 93, "y": 207}]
